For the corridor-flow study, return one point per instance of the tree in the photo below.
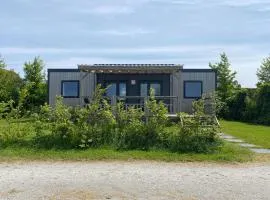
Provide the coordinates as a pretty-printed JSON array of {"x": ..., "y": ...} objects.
[
  {"x": 2, "y": 63},
  {"x": 263, "y": 73},
  {"x": 10, "y": 85},
  {"x": 34, "y": 84},
  {"x": 34, "y": 71},
  {"x": 226, "y": 81}
]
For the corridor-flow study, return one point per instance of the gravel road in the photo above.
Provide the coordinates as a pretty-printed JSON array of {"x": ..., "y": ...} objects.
[{"x": 133, "y": 180}]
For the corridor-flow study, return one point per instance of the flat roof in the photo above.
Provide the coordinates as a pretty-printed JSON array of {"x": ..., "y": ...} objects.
[{"x": 130, "y": 67}]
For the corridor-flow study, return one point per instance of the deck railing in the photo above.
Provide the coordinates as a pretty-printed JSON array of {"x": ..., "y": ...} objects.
[{"x": 170, "y": 102}]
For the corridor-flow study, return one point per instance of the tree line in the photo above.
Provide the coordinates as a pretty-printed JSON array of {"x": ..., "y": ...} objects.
[
  {"x": 30, "y": 92},
  {"x": 242, "y": 104}
]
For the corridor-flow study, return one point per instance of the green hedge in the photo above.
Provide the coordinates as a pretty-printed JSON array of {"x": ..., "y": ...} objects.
[{"x": 249, "y": 105}]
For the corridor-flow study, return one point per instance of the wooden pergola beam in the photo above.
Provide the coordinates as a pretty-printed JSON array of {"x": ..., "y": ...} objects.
[{"x": 131, "y": 68}]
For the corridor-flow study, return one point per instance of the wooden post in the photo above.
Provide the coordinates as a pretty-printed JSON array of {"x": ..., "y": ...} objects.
[
  {"x": 113, "y": 104},
  {"x": 146, "y": 111}
]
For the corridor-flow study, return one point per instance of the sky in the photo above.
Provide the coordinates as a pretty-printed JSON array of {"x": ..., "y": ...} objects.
[{"x": 65, "y": 33}]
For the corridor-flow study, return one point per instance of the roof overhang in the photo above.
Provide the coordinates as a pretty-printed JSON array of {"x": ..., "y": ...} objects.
[{"x": 130, "y": 68}]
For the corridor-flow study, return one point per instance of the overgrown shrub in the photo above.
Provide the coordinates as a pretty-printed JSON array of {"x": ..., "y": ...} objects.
[
  {"x": 156, "y": 120},
  {"x": 17, "y": 133},
  {"x": 54, "y": 127},
  {"x": 95, "y": 123},
  {"x": 135, "y": 133},
  {"x": 194, "y": 138},
  {"x": 14, "y": 129},
  {"x": 98, "y": 123},
  {"x": 130, "y": 129},
  {"x": 79, "y": 127},
  {"x": 198, "y": 133}
]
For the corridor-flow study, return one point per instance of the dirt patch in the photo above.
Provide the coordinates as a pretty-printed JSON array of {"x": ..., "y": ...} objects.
[{"x": 72, "y": 195}]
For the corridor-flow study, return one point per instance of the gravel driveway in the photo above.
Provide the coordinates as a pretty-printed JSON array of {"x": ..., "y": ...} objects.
[{"x": 133, "y": 180}]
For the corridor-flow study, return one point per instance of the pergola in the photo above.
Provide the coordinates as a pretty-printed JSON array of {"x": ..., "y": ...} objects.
[{"x": 130, "y": 68}]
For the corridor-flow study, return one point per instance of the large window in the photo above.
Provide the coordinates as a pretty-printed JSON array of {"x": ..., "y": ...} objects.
[
  {"x": 145, "y": 88},
  {"x": 111, "y": 90},
  {"x": 156, "y": 88},
  {"x": 192, "y": 89},
  {"x": 122, "y": 89},
  {"x": 70, "y": 89},
  {"x": 116, "y": 89}
]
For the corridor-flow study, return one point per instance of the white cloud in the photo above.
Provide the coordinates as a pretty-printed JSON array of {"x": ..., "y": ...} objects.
[
  {"x": 245, "y": 59},
  {"x": 128, "y": 32},
  {"x": 133, "y": 50},
  {"x": 74, "y": 61},
  {"x": 244, "y": 3},
  {"x": 107, "y": 9},
  {"x": 181, "y": 2},
  {"x": 264, "y": 9},
  {"x": 245, "y": 66},
  {"x": 103, "y": 7}
]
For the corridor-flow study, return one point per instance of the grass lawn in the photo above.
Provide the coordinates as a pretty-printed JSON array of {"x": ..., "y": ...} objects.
[
  {"x": 254, "y": 134},
  {"x": 228, "y": 153}
]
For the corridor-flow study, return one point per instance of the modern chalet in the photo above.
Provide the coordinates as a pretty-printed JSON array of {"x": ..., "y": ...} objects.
[{"x": 130, "y": 83}]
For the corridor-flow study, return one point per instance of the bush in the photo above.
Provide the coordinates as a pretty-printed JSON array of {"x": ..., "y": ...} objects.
[
  {"x": 197, "y": 133},
  {"x": 54, "y": 127},
  {"x": 66, "y": 127},
  {"x": 95, "y": 123},
  {"x": 98, "y": 124},
  {"x": 134, "y": 133},
  {"x": 250, "y": 105},
  {"x": 194, "y": 138},
  {"x": 237, "y": 105},
  {"x": 263, "y": 104},
  {"x": 16, "y": 133},
  {"x": 129, "y": 132}
]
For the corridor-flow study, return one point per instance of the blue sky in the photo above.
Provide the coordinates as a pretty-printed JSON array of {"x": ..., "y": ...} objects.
[{"x": 190, "y": 32}]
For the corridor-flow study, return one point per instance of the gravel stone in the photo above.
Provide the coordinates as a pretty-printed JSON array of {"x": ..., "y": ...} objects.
[{"x": 133, "y": 180}]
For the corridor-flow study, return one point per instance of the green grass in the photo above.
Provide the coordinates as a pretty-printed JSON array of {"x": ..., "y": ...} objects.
[
  {"x": 3, "y": 123},
  {"x": 22, "y": 149},
  {"x": 228, "y": 153},
  {"x": 254, "y": 134}
]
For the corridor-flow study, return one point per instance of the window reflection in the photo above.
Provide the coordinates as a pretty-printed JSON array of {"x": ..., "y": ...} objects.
[
  {"x": 193, "y": 89},
  {"x": 156, "y": 88},
  {"x": 143, "y": 89},
  {"x": 122, "y": 89},
  {"x": 70, "y": 88},
  {"x": 111, "y": 90}
]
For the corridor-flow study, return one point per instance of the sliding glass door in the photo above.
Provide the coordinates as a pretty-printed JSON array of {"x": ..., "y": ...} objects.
[
  {"x": 146, "y": 86},
  {"x": 116, "y": 89}
]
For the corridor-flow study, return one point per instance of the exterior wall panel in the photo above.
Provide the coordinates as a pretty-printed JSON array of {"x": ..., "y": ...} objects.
[
  {"x": 176, "y": 91},
  {"x": 208, "y": 79},
  {"x": 55, "y": 77},
  {"x": 173, "y": 84}
]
